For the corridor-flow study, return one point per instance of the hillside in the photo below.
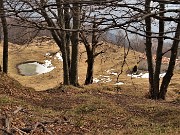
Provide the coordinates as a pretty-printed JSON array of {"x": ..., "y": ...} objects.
[
  {"x": 87, "y": 110},
  {"x": 36, "y": 51},
  {"x": 101, "y": 108}
]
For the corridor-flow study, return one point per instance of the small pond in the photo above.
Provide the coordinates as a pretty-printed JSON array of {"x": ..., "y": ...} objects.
[{"x": 35, "y": 68}]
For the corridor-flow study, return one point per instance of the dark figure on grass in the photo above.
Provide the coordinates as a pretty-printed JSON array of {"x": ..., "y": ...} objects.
[{"x": 135, "y": 69}]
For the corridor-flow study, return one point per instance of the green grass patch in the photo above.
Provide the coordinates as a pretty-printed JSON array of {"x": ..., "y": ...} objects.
[{"x": 5, "y": 100}]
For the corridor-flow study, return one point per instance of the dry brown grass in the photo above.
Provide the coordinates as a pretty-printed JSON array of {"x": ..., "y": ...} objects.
[
  {"x": 19, "y": 54},
  {"x": 91, "y": 110},
  {"x": 94, "y": 109},
  {"x": 111, "y": 59}
]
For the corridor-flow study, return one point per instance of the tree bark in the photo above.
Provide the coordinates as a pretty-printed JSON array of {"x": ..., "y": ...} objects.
[
  {"x": 0, "y": 34},
  {"x": 159, "y": 53},
  {"x": 65, "y": 62},
  {"x": 59, "y": 37},
  {"x": 90, "y": 70},
  {"x": 62, "y": 37},
  {"x": 91, "y": 50},
  {"x": 148, "y": 51},
  {"x": 75, "y": 42},
  {"x": 68, "y": 34},
  {"x": 90, "y": 59},
  {"x": 169, "y": 73},
  {"x": 5, "y": 32}
]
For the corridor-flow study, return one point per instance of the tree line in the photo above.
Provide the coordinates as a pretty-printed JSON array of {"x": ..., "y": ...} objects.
[{"x": 72, "y": 21}]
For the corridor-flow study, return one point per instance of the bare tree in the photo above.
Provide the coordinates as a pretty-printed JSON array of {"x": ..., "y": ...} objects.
[
  {"x": 169, "y": 73},
  {"x": 91, "y": 46},
  {"x": 62, "y": 18},
  {"x": 93, "y": 19},
  {"x": 5, "y": 40},
  {"x": 56, "y": 17},
  {"x": 156, "y": 91},
  {"x": 140, "y": 21}
]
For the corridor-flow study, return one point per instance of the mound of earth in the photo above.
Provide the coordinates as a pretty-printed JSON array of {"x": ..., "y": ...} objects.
[{"x": 11, "y": 87}]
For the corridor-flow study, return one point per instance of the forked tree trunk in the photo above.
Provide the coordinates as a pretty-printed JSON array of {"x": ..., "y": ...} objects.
[
  {"x": 169, "y": 73},
  {"x": 91, "y": 51},
  {"x": 154, "y": 81},
  {"x": 90, "y": 59},
  {"x": 5, "y": 40},
  {"x": 62, "y": 38},
  {"x": 59, "y": 37}
]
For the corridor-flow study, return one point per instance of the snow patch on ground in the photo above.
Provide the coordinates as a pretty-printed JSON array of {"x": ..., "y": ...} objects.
[
  {"x": 119, "y": 83},
  {"x": 110, "y": 71},
  {"x": 144, "y": 75},
  {"x": 48, "y": 54},
  {"x": 114, "y": 73},
  {"x": 107, "y": 78},
  {"x": 95, "y": 80},
  {"x": 58, "y": 56},
  {"x": 102, "y": 79}
]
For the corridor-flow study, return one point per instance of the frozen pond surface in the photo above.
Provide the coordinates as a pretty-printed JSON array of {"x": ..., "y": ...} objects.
[{"x": 35, "y": 68}]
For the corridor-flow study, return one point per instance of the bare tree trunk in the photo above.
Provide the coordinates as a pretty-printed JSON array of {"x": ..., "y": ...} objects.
[
  {"x": 62, "y": 37},
  {"x": 65, "y": 62},
  {"x": 90, "y": 69},
  {"x": 169, "y": 73},
  {"x": 159, "y": 53},
  {"x": 59, "y": 37},
  {"x": 154, "y": 81},
  {"x": 5, "y": 43},
  {"x": 91, "y": 50},
  {"x": 149, "y": 52},
  {"x": 91, "y": 55},
  {"x": 0, "y": 34},
  {"x": 75, "y": 42},
  {"x": 90, "y": 59},
  {"x": 68, "y": 34}
]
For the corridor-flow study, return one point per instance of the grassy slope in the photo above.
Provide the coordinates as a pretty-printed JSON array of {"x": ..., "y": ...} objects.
[
  {"x": 112, "y": 58},
  {"x": 93, "y": 109}
]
